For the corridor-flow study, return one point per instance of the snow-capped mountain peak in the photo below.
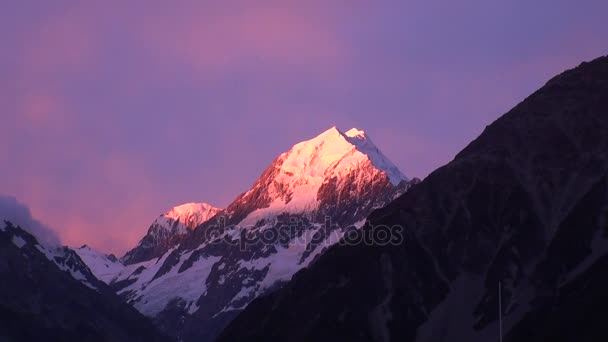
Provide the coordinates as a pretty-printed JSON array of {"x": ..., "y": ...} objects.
[
  {"x": 334, "y": 152},
  {"x": 355, "y": 132},
  {"x": 188, "y": 215},
  {"x": 168, "y": 228},
  {"x": 310, "y": 196},
  {"x": 293, "y": 182}
]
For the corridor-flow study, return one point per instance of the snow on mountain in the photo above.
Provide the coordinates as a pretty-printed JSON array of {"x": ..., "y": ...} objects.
[
  {"x": 297, "y": 176},
  {"x": 67, "y": 260},
  {"x": 186, "y": 216},
  {"x": 150, "y": 294},
  {"x": 366, "y": 146},
  {"x": 507, "y": 241},
  {"x": 192, "y": 282},
  {"x": 20, "y": 215},
  {"x": 48, "y": 294},
  {"x": 167, "y": 229},
  {"x": 104, "y": 267},
  {"x": 18, "y": 241},
  {"x": 32, "y": 236},
  {"x": 64, "y": 257}
]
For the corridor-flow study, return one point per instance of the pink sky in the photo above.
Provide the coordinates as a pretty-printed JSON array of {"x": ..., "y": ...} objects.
[{"x": 115, "y": 112}]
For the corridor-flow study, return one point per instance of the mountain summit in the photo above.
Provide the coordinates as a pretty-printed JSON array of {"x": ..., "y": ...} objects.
[
  {"x": 509, "y": 241},
  {"x": 301, "y": 180},
  {"x": 333, "y": 153},
  {"x": 193, "y": 282},
  {"x": 167, "y": 229}
]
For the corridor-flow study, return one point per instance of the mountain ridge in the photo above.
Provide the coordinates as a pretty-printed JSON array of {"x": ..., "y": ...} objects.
[
  {"x": 199, "y": 280},
  {"x": 523, "y": 206},
  {"x": 46, "y": 297},
  {"x": 168, "y": 229}
]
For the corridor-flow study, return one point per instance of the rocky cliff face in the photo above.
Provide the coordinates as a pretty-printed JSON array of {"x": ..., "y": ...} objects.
[
  {"x": 302, "y": 203},
  {"x": 523, "y": 208}
]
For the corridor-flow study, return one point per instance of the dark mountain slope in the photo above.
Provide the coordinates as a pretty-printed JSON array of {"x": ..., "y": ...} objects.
[
  {"x": 522, "y": 206},
  {"x": 40, "y": 302}
]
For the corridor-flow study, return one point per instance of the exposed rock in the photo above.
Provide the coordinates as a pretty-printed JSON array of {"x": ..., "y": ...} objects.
[{"x": 523, "y": 206}]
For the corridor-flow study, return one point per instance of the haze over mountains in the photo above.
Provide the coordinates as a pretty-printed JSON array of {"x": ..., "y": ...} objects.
[{"x": 523, "y": 207}]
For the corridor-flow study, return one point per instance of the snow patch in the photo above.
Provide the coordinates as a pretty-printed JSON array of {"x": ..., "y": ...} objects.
[
  {"x": 186, "y": 285},
  {"x": 100, "y": 264},
  {"x": 192, "y": 214},
  {"x": 186, "y": 217},
  {"x": 18, "y": 241}
]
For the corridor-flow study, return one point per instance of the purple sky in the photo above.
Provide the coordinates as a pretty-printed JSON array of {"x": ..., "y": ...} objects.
[{"x": 116, "y": 111}]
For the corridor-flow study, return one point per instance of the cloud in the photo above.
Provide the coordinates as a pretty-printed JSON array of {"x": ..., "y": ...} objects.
[{"x": 19, "y": 214}]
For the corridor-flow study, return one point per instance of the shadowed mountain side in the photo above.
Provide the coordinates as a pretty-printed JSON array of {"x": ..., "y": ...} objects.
[
  {"x": 524, "y": 205},
  {"x": 40, "y": 302}
]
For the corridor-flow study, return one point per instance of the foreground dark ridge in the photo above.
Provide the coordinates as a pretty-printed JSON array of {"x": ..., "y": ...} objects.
[
  {"x": 525, "y": 204},
  {"x": 40, "y": 302}
]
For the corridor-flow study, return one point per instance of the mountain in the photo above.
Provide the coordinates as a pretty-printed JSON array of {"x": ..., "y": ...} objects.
[
  {"x": 48, "y": 295},
  {"x": 302, "y": 203},
  {"x": 342, "y": 175},
  {"x": 168, "y": 229},
  {"x": 522, "y": 209},
  {"x": 103, "y": 266}
]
